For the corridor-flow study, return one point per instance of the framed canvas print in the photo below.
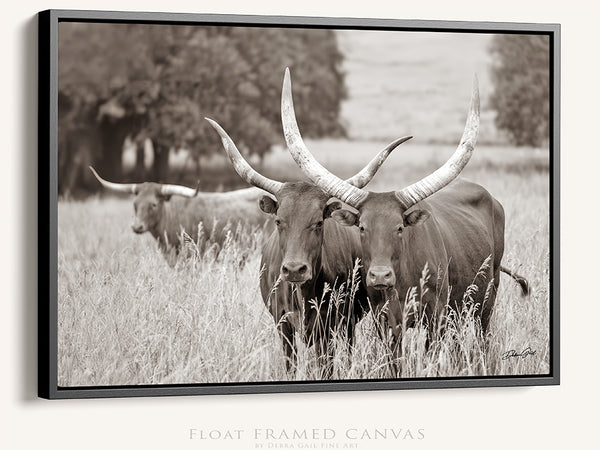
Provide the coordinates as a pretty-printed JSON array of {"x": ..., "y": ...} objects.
[{"x": 250, "y": 204}]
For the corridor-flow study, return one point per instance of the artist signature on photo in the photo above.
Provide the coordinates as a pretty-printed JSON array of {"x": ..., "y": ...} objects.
[{"x": 514, "y": 354}]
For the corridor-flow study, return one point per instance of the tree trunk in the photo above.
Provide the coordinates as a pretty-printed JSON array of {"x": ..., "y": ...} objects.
[
  {"x": 160, "y": 168},
  {"x": 140, "y": 169},
  {"x": 113, "y": 132}
]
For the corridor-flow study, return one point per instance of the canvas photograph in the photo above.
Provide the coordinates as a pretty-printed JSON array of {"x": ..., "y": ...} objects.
[{"x": 243, "y": 204}]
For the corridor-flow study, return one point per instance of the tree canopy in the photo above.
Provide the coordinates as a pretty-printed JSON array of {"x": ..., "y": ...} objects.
[
  {"x": 162, "y": 80},
  {"x": 521, "y": 77}
]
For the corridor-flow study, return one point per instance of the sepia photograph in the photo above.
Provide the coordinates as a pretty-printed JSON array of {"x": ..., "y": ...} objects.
[{"x": 260, "y": 204}]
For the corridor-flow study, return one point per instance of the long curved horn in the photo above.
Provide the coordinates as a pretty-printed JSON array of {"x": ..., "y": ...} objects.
[
  {"x": 174, "y": 189},
  {"x": 128, "y": 188},
  {"x": 327, "y": 181},
  {"x": 432, "y": 183},
  {"x": 242, "y": 167},
  {"x": 362, "y": 178}
]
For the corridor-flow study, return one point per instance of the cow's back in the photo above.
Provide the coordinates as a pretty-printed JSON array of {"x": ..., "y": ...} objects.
[{"x": 218, "y": 213}]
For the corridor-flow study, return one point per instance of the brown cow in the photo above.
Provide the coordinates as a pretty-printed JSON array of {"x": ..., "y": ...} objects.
[
  {"x": 166, "y": 210},
  {"x": 453, "y": 230}
]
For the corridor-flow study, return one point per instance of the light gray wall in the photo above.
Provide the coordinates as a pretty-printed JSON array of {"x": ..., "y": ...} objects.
[{"x": 542, "y": 417}]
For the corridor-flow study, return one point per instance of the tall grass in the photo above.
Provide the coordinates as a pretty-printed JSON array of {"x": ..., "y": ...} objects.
[{"x": 126, "y": 317}]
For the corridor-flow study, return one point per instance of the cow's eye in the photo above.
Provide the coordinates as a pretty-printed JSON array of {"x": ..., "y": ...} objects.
[
  {"x": 319, "y": 224},
  {"x": 361, "y": 228},
  {"x": 153, "y": 205},
  {"x": 277, "y": 222},
  {"x": 400, "y": 228}
]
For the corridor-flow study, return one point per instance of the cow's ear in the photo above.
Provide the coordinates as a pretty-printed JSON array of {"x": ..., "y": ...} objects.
[
  {"x": 330, "y": 208},
  {"x": 345, "y": 217},
  {"x": 416, "y": 217},
  {"x": 268, "y": 204}
]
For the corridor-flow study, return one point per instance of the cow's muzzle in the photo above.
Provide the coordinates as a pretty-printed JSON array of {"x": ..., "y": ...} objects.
[
  {"x": 138, "y": 228},
  {"x": 295, "y": 272},
  {"x": 381, "y": 277}
]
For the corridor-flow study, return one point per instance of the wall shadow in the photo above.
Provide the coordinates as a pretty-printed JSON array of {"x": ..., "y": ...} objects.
[{"x": 28, "y": 49}]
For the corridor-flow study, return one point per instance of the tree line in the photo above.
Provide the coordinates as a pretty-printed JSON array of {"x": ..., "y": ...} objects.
[{"x": 158, "y": 82}]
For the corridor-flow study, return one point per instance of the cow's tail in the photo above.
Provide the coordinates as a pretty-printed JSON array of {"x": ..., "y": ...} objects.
[{"x": 525, "y": 290}]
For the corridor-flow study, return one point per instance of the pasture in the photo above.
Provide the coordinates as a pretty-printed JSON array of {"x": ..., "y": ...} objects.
[{"x": 125, "y": 317}]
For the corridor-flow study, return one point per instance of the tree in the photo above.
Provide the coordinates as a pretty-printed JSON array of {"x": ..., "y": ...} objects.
[
  {"x": 160, "y": 81},
  {"x": 102, "y": 68},
  {"x": 521, "y": 78}
]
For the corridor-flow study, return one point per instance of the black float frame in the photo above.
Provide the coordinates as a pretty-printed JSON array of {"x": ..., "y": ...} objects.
[{"x": 48, "y": 215}]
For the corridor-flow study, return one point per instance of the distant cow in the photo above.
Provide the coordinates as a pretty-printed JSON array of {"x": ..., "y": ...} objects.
[
  {"x": 453, "y": 230},
  {"x": 166, "y": 210},
  {"x": 305, "y": 252}
]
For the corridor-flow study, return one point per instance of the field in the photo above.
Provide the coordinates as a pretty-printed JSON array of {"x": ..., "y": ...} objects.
[
  {"x": 125, "y": 317},
  {"x": 394, "y": 83}
]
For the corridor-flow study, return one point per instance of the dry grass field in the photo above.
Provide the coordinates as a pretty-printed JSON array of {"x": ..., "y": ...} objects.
[{"x": 125, "y": 317}]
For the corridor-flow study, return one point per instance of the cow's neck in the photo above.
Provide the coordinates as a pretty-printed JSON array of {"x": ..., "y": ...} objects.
[
  {"x": 160, "y": 230},
  {"x": 309, "y": 289},
  {"x": 425, "y": 247}
]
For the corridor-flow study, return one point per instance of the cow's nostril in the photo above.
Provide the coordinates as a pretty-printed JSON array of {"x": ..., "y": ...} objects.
[
  {"x": 295, "y": 271},
  {"x": 380, "y": 275}
]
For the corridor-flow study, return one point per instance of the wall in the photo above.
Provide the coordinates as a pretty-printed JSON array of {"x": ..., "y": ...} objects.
[{"x": 542, "y": 417}]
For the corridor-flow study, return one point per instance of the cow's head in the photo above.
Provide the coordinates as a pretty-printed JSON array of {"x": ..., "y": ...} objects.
[
  {"x": 300, "y": 210},
  {"x": 386, "y": 229},
  {"x": 148, "y": 205},
  {"x": 149, "y": 202},
  {"x": 386, "y": 220}
]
